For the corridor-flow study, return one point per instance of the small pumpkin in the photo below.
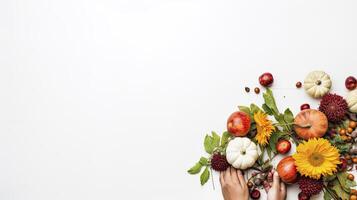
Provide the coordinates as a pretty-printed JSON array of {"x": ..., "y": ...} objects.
[
  {"x": 241, "y": 153},
  {"x": 352, "y": 100},
  {"x": 310, "y": 123},
  {"x": 317, "y": 84}
]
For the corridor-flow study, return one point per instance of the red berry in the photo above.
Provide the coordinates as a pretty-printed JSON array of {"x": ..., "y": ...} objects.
[
  {"x": 304, "y": 106},
  {"x": 351, "y": 83},
  {"x": 266, "y": 79},
  {"x": 303, "y": 196},
  {"x": 255, "y": 194},
  {"x": 343, "y": 165},
  {"x": 283, "y": 146}
]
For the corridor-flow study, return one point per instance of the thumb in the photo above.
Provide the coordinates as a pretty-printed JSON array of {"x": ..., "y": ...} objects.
[{"x": 276, "y": 180}]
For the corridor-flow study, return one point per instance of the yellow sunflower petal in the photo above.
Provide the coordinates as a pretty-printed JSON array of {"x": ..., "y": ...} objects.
[
  {"x": 264, "y": 128},
  {"x": 316, "y": 157}
]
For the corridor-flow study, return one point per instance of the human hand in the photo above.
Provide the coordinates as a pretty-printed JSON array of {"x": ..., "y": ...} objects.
[
  {"x": 277, "y": 190},
  {"x": 233, "y": 185}
]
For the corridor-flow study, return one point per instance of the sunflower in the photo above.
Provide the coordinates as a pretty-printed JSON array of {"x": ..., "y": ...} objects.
[
  {"x": 316, "y": 157},
  {"x": 264, "y": 128}
]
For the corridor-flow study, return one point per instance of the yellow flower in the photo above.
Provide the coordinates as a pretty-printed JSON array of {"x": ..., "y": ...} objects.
[
  {"x": 316, "y": 157},
  {"x": 264, "y": 128}
]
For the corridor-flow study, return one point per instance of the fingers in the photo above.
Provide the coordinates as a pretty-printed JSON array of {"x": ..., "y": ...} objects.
[
  {"x": 241, "y": 178},
  {"x": 276, "y": 180},
  {"x": 227, "y": 175},
  {"x": 234, "y": 175},
  {"x": 221, "y": 178},
  {"x": 282, "y": 189}
]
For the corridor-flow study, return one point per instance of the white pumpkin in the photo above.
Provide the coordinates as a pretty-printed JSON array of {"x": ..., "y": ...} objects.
[
  {"x": 352, "y": 100},
  {"x": 317, "y": 84},
  {"x": 241, "y": 153}
]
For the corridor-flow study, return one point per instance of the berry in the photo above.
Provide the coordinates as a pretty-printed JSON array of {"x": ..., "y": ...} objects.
[
  {"x": 304, "y": 106},
  {"x": 310, "y": 186},
  {"x": 250, "y": 184},
  {"x": 255, "y": 194},
  {"x": 266, "y": 79},
  {"x": 219, "y": 162},
  {"x": 298, "y": 84},
  {"x": 247, "y": 89},
  {"x": 303, "y": 196},
  {"x": 352, "y": 124},
  {"x": 350, "y": 177},
  {"x": 257, "y": 90},
  {"x": 351, "y": 83},
  {"x": 343, "y": 165},
  {"x": 349, "y": 130}
]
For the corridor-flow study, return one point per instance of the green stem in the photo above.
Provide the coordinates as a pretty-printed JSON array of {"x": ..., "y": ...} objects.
[{"x": 214, "y": 188}]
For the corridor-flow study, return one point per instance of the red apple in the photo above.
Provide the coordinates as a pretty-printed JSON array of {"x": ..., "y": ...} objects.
[
  {"x": 351, "y": 83},
  {"x": 238, "y": 124},
  {"x": 287, "y": 170},
  {"x": 266, "y": 79},
  {"x": 283, "y": 146}
]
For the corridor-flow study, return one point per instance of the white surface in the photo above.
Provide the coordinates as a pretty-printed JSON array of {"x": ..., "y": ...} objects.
[{"x": 110, "y": 99}]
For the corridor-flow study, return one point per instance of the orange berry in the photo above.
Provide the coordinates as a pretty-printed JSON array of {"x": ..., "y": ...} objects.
[
  {"x": 352, "y": 124},
  {"x": 342, "y": 131},
  {"x": 353, "y": 197},
  {"x": 347, "y": 157},
  {"x": 350, "y": 177},
  {"x": 349, "y": 130},
  {"x": 353, "y": 192},
  {"x": 354, "y": 160}
]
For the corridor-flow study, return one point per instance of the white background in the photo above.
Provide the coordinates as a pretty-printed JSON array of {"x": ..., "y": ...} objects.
[{"x": 111, "y": 99}]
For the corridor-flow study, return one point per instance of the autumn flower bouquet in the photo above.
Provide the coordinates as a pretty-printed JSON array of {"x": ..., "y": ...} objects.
[{"x": 324, "y": 137}]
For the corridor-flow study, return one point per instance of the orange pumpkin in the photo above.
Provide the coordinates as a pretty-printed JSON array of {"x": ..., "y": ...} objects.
[{"x": 310, "y": 123}]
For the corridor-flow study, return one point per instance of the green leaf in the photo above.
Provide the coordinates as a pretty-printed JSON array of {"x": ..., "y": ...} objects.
[
  {"x": 269, "y": 152},
  {"x": 203, "y": 161},
  {"x": 225, "y": 137},
  {"x": 270, "y": 101},
  {"x": 254, "y": 108},
  {"x": 345, "y": 183},
  {"x": 342, "y": 146},
  {"x": 216, "y": 139},
  {"x": 339, "y": 190},
  {"x": 288, "y": 116},
  {"x": 208, "y": 144},
  {"x": 274, "y": 138},
  {"x": 195, "y": 169},
  {"x": 328, "y": 192},
  {"x": 267, "y": 110},
  {"x": 244, "y": 109},
  {"x": 204, "y": 176},
  {"x": 329, "y": 178}
]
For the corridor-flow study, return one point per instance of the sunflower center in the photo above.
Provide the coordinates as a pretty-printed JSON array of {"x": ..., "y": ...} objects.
[{"x": 316, "y": 159}]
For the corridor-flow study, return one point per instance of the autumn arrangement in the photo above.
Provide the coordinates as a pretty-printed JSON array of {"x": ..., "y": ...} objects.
[{"x": 325, "y": 139}]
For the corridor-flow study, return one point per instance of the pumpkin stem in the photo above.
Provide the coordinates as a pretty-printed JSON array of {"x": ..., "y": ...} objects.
[
  {"x": 304, "y": 126},
  {"x": 301, "y": 126}
]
